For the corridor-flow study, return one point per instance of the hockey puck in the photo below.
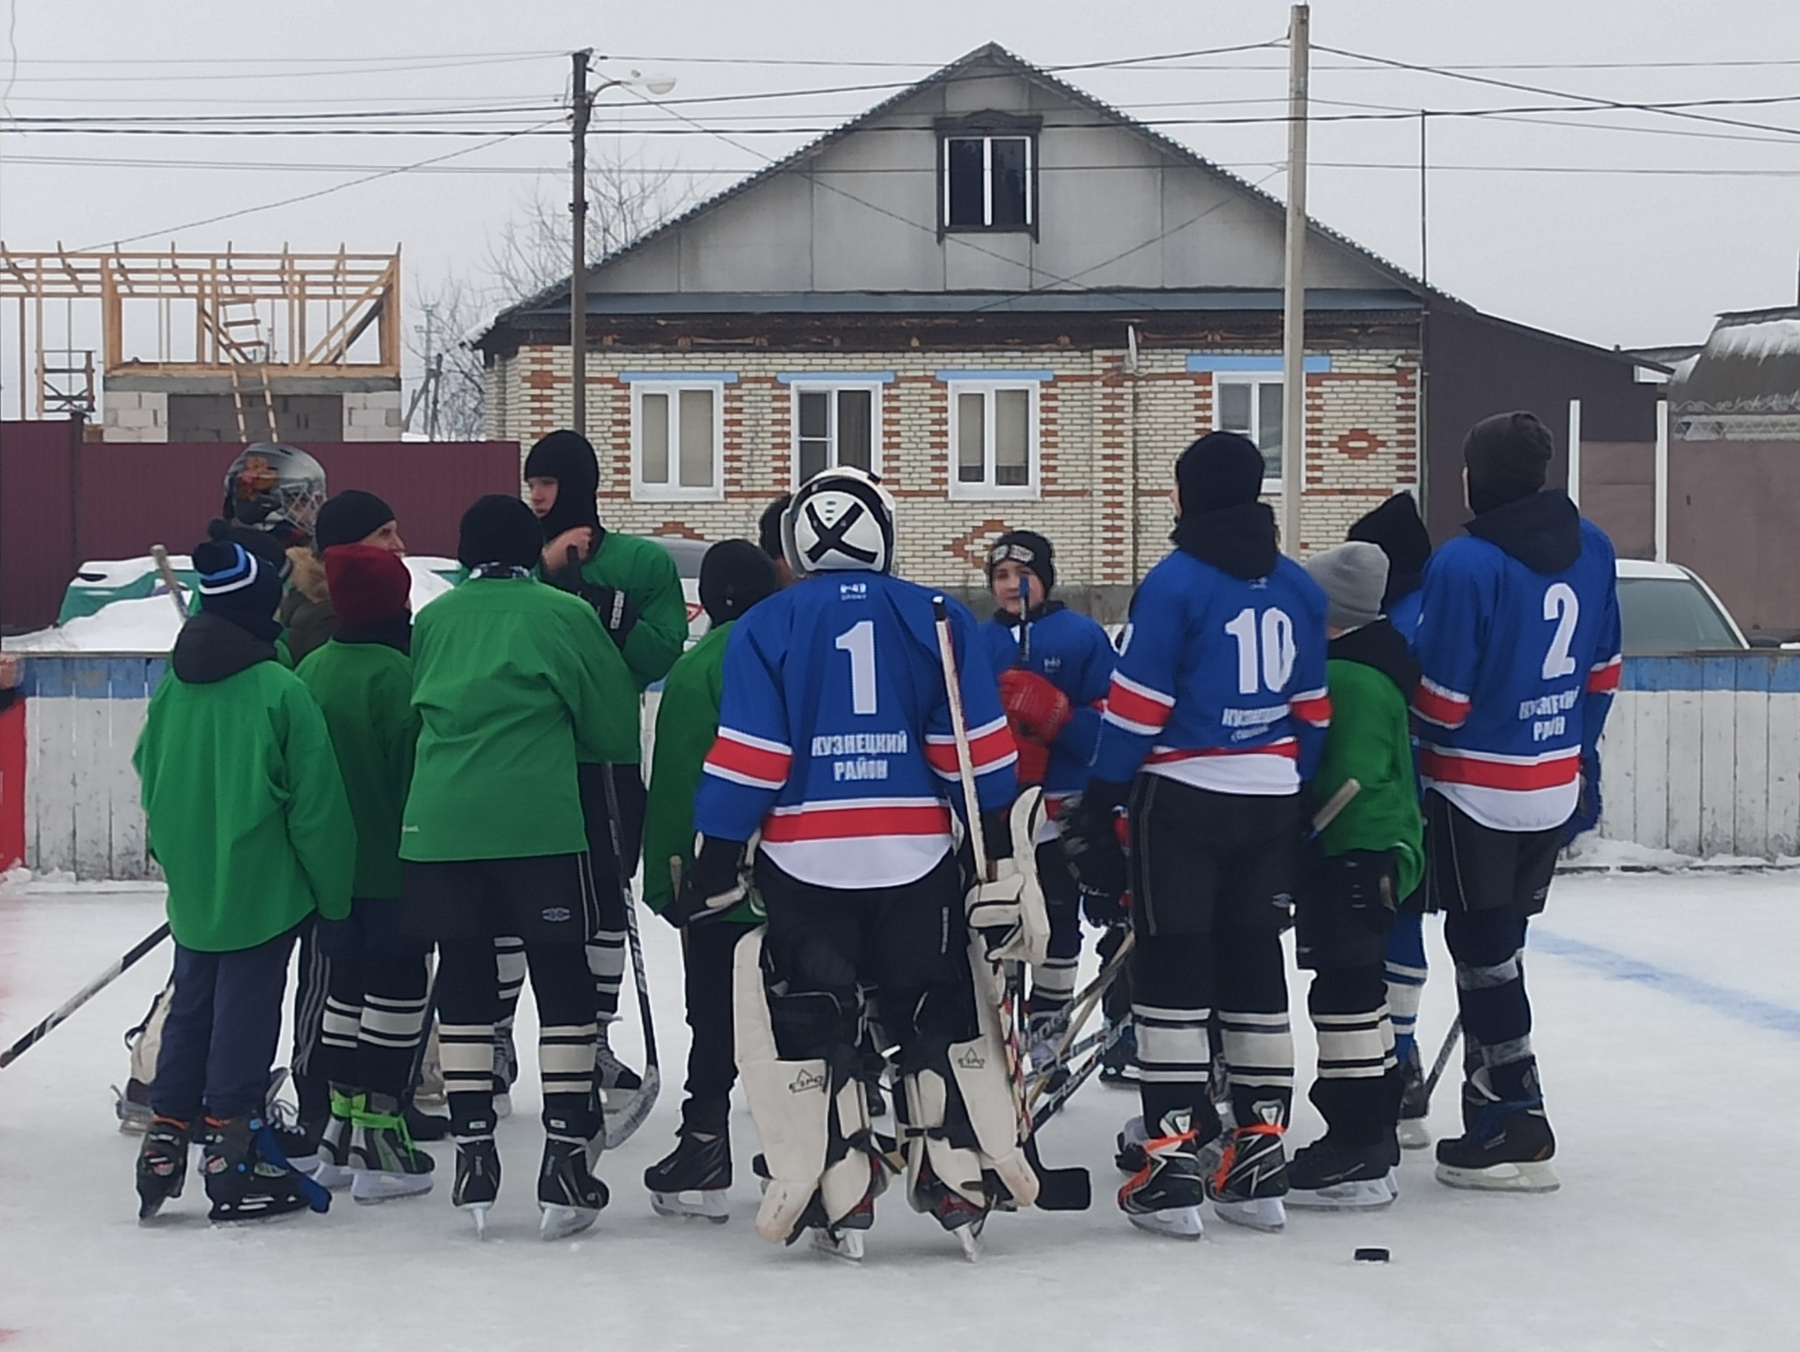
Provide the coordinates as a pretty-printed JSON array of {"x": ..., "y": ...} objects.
[{"x": 1371, "y": 1255}]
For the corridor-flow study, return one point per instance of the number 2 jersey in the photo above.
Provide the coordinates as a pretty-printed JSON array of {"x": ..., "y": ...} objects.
[
  {"x": 1518, "y": 640},
  {"x": 1221, "y": 680},
  {"x": 835, "y": 736}
]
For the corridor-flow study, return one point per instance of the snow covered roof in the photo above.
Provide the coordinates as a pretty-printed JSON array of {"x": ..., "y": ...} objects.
[{"x": 1750, "y": 364}]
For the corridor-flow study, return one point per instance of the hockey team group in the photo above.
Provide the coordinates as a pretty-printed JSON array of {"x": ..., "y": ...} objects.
[{"x": 885, "y": 832}]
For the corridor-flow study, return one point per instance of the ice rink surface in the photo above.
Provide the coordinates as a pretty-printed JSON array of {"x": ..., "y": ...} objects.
[{"x": 1669, "y": 1031}]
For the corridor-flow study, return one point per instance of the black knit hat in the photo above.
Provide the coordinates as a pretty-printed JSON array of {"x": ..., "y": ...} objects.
[
  {"x": 499, "y": 529},
  {"x": 1221, "y": 469},
  {"x": 1398, "y": 529},
  {"x": 349, "y": 519},
  {"x": 768, "y": 527},
  {"x": 236, "y": 585},
  {"x": 567, "y": 457},
  {"x": 735, "y": 575},
  {"x": 1507, "y": 456},
  {"x": 1028, "y": 549}
]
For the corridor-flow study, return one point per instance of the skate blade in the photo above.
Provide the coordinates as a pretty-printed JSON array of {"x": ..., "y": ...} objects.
[
  {"x": 845, "y": 1245},
  {"x": 1363, "y": 1194},
  {"x": 559, "y": 1222},
  {"x": 969, "y": 1237},
  {"x": 478, "y": 1212},
  {"x": 1260, "y": 1213},
  {"x": 710, "y": 1205},
  {"x": 1176, "y": 1222},
  {"x": 243, "y": 1218},
  {"x": 1526, "y": 1176},
  {"x": 333, "y": 1176},
  {"x": 1414, "y": 1133},
  {"x": 372, "y": 1187}
]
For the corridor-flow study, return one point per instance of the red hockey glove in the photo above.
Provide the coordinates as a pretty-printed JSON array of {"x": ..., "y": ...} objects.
[
  {"x": 1034, "y": 704},
  {"x": 1034, "y": 760}
]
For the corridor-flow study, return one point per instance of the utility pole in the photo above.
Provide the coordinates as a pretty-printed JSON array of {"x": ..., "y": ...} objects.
[
  {"x": 583, "y": 106},
  {"x": 1424, "y": 234},
  {"x": 1293, "y": 320}
]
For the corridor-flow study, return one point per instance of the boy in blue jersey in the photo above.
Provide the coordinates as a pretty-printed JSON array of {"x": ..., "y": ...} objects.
[
  {"x": 1216, "y": 715},
  {"x": 835, "y": 747},
  {"x": 1054, "y": 665},
  {"x": 1518, "y": 642},
  {"x": 1400, "y": 532}
]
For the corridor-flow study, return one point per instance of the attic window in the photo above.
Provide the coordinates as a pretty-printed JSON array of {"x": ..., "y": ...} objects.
[{"x": 989, "y": 182}]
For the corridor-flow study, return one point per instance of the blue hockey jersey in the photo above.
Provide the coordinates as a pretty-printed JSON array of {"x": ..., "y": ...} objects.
[
  {"x": 1518, "y": 640},
  {"x": 1073, "y": 653},
  {"x": 1403, "y": 614},
  {"x": 834, "y": 732},
  {"x": 1220, "y": 682}
]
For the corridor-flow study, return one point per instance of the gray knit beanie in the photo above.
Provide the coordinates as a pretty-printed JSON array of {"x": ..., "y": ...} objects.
[{"x": 1354, "y": 576}]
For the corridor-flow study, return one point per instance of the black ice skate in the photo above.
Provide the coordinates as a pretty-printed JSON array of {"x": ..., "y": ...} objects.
[
  {"x": 383, "y": 1159},
  {"x": 249, "y": 1178},
  {"x": 693, "y": 1180},
  {"x": 569, "y": 1196},
  {"x": 1164, "y": 1195},
  {"x": 477, "y": 1179},
  {"x": 1506, "y": 1146},
  {"x": 1332, "y": 1175},
  {"x": 1415, "y": 1104},
  {"x": 1251, "y": 1180},
  {"x": 161, "y": 1165}
]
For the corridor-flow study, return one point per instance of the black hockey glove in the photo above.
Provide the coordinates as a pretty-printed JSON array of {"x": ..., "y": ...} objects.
[
  {"x": 617, "y": 615},
  {"x": 718, "y": 881},
  {"x": 1362, "y": 881},
  {"x": 1093, "y": 838}
]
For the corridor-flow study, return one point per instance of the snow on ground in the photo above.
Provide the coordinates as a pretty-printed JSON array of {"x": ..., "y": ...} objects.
[{"x": 1670, "y": 1035}]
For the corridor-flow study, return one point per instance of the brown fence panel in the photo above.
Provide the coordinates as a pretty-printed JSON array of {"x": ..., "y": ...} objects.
[
  {"x": 1618, "y": 494},
  {"x": 37, "y": 520},
  {"x": 1732, "y": 509}
]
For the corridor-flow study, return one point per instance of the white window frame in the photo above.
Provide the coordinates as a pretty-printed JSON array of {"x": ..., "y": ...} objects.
[
  {"x": 675, "y": 492},
  {"x": 1253, "y": 379},
  {"x": 987, "y": 139},
  {"x": 988, "y": 490},
  {"x": 830, "y": 385}
]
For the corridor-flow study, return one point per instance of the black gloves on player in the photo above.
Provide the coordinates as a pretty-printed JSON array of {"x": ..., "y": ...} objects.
[
  {"x": 1362, "y": 882},
  {"x": 617, "y": 615},
  {"x": 1093, "y": 838},
  {"x": 718, "y": 881}
]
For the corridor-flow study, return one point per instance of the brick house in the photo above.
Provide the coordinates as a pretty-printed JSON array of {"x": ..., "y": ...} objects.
[{"x": 1017, "y": 305}]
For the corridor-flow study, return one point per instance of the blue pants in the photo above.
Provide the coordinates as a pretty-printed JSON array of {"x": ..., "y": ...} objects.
[{"x": 219, "y": 1040}]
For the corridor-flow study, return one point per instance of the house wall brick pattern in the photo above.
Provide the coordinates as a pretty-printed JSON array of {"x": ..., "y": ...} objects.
[{"x": 1107, "y": 443}]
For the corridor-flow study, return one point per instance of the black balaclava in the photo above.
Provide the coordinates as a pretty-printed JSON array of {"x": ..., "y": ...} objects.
[
  {"x": 502, "y": 530},
  {"x": 1398, "y": 529},
  {"x": 1507, "y": 456},
  {"x": 735, "y": 575},
  {"x": 1222, "y": 523},
  {"x": 568, "y": 457}
]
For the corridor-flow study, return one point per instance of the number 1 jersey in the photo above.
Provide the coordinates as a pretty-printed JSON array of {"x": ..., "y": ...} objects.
[
  {"x": 834, "y": 732},
  {"x": 1221, "y": 681}
]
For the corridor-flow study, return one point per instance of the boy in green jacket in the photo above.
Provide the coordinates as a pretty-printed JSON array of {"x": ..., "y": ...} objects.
[
  {"x": 247, "y": 815},
  {"x": 513, "y": 681},
  {"x": 375, "y": 1001},
  {"x": 634, "y": 588},
  {"x": 734, "y": 575},
  {"x": 1368, "y": 857}
]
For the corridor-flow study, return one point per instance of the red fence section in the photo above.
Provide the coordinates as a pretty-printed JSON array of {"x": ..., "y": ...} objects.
[{"x": 64, "y": 500}]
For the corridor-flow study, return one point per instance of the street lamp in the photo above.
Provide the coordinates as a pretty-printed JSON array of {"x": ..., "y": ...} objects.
[{"x": 584, "y": 106}]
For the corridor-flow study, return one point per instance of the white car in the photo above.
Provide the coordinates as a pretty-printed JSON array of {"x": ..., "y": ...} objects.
[{"x": 1665, "y": 608}]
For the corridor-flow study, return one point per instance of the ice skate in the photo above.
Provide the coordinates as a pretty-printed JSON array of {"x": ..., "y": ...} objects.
[
  {"x": 1251, "y": 1178},
  {"x": 333, "y": 1169},
  {"x": 693, "y": 1181},
  {"x": 384, "y": 1162},
  {"x": 1163, "y": 1197},
  {"x": 1331, "y": 1175},
  {"x": 245, "y": 1178},
  {"x": 839, "y": 1243},
  {"x": 626, "y": 1098},
  {"x": 132, "y": 1105},
  {"x": 950, "y": 1209},
  {"x": 161, "y": 1165},
  {"x": 569, "y": 1196},
  {"x": 477, "y": 1179},
  {"x": 1505, "y": 1146},
  {"x": 1415, "y": 1107}
]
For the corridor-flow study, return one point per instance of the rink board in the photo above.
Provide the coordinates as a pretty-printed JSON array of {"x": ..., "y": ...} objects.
[{"x": 1701, "y": 756}]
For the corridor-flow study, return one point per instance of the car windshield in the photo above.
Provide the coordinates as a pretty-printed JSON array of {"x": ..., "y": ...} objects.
[{"x": 1670, "y": 615}]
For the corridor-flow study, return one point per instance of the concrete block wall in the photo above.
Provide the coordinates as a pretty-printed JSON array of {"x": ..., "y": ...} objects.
[
  {"x": 372, "y": 416},
  {"x": 135, "y": 415},
  {"x": 1107, "y": 443}
]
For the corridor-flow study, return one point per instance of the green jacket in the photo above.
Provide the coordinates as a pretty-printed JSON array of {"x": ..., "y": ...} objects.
[
  {"x": 512, "y": 680},
  {"x": 687, "y": 721},
  {"x": 643, "y": 570},
  {"x": 1370, "y": 740},
  {"x": 365, "y": 692},
  {"x": 246, "y": 807}
]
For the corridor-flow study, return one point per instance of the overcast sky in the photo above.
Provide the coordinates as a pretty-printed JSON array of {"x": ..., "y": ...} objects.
[{"x": 1530, "y": 214}]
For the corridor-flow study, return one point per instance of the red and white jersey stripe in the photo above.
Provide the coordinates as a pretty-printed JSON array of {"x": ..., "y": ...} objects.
[
  {"x": 1507, "y": 793},
  {"x": 1272, "y": 770},
  {"x": 1603, "y": 677},
  {"x": 1137, "y": 708},
  {"x": 1312, "y": 706},
  {"x": 897, "y": 840},
  {"x": 752, "y": 761},
  {"x": 1440, "y": 705},
  {"x": 991, "y": 748}
]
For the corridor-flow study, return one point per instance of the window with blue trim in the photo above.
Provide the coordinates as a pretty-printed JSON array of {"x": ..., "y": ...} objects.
[
  {"x": 1251, "y": 404},
  {"x": 677, "y": 440}
]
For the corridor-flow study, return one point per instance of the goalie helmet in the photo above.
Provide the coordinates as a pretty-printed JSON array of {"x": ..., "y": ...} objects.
[
  {"x": 275, "y": 488},
  {"x": 840, "y": 520}
]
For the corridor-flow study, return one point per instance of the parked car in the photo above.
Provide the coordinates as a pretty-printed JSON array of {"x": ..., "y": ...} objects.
[
  {"x": 687, "y": 555},
  {"x": 1665, "y": 608}
]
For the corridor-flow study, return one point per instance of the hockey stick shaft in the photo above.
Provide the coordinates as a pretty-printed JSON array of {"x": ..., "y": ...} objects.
[
  {"x": 1451, "y": 1038},
  {"x": 1335, "y": 804},
  {"x": 616, "y": 825},
  {"x": 959, "y": 729},
  {"x": 160, "y": 556},
  {"x": 82, "y": 996}
]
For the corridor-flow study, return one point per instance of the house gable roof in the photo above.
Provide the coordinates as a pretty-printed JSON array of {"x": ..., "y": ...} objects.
[{"x": 1750, "y": 364}]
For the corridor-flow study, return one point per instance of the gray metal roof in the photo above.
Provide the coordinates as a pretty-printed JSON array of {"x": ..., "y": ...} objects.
[{"x": 1750, "y": 364}]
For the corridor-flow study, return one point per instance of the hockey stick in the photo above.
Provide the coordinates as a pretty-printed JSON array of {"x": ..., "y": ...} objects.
[
  {"x": 628, "y": 1123},
  {"x": 82, "y": 996},
  {"x": 160, "y": 556},
  {"x": 1451, "y": 1038},
  {"x": 1058, "y": 1189}
]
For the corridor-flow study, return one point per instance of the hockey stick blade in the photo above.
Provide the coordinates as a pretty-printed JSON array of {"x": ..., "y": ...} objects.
[{"x": 1059, "y": 1189}]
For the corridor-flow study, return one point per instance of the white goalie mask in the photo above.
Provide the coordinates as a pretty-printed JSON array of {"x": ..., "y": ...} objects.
[{"x": 840, "y": 520}]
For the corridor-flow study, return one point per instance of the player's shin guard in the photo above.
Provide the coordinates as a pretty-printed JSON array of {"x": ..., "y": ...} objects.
[{"x": 962, "y": 1130}]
